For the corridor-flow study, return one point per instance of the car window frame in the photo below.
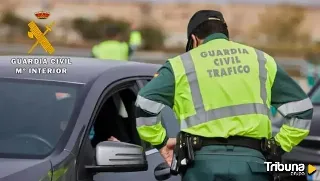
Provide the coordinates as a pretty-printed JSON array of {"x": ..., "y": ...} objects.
[
  {"x": 131, "y": 85},
  {"x": 106, "y": 94}
]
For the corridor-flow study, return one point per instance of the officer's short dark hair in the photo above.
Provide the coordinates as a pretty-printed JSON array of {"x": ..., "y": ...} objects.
[
  {"x": 112, "y": 31},
  {"x": 209, "y": 27}
]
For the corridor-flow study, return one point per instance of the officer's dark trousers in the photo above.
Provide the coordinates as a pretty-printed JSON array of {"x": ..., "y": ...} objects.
[{"x": 227, "y": 163}]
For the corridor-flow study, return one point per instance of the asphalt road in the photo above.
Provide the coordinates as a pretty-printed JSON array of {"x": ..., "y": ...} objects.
[{"x": 152, "y": 57}]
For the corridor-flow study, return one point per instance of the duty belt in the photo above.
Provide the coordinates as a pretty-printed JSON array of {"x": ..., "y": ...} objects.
[
  {"x": 187, "y": 144},
  {"x": 234, "y": 141}
]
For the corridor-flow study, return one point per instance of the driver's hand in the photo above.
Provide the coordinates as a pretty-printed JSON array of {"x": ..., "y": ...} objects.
[{"x": 113, "y": 139}]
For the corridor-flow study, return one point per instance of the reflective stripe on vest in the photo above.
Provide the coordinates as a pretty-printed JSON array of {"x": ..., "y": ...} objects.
[{"x": 203, "y": 116}]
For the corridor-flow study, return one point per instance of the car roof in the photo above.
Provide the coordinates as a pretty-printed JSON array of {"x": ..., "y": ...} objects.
[{"x": 81, "y": 70}]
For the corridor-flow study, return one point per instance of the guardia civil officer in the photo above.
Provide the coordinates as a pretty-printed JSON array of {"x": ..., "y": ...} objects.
[
  {"x": 113, "y": 47},
  {"x": 221, "y": 92},
  {"x": 135, "y": 39}
]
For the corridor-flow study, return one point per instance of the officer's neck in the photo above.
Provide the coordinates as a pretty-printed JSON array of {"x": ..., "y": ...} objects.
[{"x": 215, "y": 36}]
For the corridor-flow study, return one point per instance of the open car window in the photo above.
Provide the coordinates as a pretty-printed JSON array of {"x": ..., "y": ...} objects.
[{"x": 117, "y": 119}]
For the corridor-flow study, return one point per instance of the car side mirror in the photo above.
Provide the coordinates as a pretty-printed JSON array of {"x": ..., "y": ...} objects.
[
  {"x": 162, "y": 172},
  {"x": 113, "y": 156}
]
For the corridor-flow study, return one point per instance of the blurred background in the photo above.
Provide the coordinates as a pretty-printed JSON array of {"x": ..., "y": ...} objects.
[{"x": 287, "y": 30}]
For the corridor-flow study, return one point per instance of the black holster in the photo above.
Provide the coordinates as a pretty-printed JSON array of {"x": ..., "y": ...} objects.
[
  {"x": 183, "y": 154},
  {"x": 272, "y": 153}
]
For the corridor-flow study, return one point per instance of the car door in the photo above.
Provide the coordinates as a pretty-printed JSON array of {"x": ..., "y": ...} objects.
[
  {"x": 153, "y": 158},
  {"x": 86, "y": 154}
]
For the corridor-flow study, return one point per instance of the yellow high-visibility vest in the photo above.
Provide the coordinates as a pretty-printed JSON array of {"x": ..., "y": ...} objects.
[
  {"x": 135, "y": 38},
  {"x": 223, "y": 83},
  {"x": 112, "y": 50}
]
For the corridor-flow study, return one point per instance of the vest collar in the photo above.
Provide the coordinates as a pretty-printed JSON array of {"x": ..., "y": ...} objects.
[{"x": 215, "y": 36}]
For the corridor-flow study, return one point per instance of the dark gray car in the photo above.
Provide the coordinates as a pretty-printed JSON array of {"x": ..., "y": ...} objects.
[{"x": 46, "y": 119}]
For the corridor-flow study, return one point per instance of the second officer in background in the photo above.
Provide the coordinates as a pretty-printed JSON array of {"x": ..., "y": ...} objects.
[
  {"x": 135, "y": 39},
  {"x": 114, "y": 47}
]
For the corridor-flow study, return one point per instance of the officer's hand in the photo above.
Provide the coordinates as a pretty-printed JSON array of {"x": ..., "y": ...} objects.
[
  {"x": 113, "y": 139},
  {"x": 167, "y": 151}
]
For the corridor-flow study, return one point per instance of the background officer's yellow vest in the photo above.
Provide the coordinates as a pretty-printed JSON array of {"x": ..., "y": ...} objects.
[
  {"x": 223, "y": 84},
  {"x": 135, "y": 38},
  {"x": 112, "y": 50}
]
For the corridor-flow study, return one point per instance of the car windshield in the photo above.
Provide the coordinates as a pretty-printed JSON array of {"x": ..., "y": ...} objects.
[{"x": 34, "y": 115}]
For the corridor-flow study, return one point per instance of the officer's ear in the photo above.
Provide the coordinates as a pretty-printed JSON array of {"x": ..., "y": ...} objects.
[{"x": 195, "y": 40}]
